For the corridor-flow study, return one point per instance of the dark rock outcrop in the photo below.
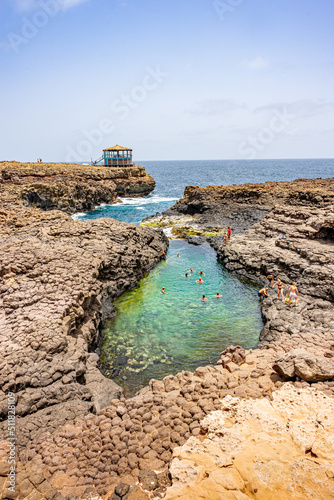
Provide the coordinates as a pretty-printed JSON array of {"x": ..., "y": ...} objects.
[
  {"x": 71, "y": 187},
  {"x": 242, "y": 206},
  {"x": 196, "y": 240}
]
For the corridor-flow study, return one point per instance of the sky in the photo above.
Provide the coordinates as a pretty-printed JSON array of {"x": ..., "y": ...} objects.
[{"x": 173, "y": 80}]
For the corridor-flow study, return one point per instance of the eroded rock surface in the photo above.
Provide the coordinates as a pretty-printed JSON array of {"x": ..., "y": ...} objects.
[
  {"x": 55, "y": 281},
  {"x": 213, "y": 208},
  {"x": 305, "y": 365},
  {"x": 140, "y": 433},
  {"x": 69, "y": 187},
  {"x": 261, "y": 449},
  {"x": 59, "y": 277}
]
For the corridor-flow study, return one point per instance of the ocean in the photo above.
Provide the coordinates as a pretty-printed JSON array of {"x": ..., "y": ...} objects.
[{"x": 173, "y": 176}]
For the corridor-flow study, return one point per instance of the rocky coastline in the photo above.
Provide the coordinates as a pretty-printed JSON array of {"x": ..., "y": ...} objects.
[
  {"x": 58, "y": 279},
  {"x": 70, "y": 187},
  {"x": 235, "y": 430}
]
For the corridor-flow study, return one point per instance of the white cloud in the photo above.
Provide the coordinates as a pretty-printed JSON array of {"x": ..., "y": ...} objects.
[{"x": 257, "y": 63}]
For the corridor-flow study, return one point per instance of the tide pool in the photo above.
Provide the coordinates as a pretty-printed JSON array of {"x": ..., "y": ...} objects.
[{"x": 153, "y": 335}]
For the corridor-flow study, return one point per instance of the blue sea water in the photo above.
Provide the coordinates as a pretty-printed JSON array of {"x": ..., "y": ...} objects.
[{"x": 173, "y": 176}]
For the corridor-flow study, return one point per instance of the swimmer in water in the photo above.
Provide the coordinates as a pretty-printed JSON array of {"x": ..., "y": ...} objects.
[
  {"x": 163, "y": 290},
  {"x": 177, "y": 255},
  {"x": 185, "y": 275},
  {"x": 218, "y": 296},
  {"x": 201, "y": 272},
  {"x": 199, "y": 281},
  {"x": 203, "y": 298}
]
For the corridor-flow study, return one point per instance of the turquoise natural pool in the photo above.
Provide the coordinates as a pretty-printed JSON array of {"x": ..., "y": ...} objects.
[{"x": 153, "y": 335}]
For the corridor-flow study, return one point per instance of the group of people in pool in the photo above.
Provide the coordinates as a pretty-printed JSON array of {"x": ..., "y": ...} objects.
[
  {"x": 199, "y": 282},
  {"x": 292, "y": 293}
]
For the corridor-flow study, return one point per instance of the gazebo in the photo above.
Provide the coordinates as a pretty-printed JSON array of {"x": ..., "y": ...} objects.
[{"x": 117, "y": 156}]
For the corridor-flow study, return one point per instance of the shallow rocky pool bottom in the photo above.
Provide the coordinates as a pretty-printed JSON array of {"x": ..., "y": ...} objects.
[{"x": 153, "y": 335}]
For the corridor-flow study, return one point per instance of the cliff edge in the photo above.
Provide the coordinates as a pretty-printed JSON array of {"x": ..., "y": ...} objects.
[{"x": 70, "y": 187}]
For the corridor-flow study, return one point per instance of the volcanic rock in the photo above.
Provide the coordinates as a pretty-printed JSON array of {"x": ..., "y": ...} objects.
[
  {"x": 305, "y": 365},
  {"x": 260, "y": 449}
]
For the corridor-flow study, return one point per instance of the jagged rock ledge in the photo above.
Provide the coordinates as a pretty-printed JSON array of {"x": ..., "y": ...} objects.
[
  {"x": 209, "y": 210},
  {"x": 70, "y": 187}
]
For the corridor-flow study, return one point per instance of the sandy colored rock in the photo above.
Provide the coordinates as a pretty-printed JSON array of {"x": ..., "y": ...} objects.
[
  {"x": 298, "y": 362},
  {"x": 279, "y": 449}
]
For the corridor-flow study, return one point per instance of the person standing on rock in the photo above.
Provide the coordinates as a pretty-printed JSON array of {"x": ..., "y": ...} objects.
[
  {"x": 224, "y": 238},
  {"x": 229, "y": 233},
  {"x": 293, "y": 293},
  {"x": 280, "y": 285},
  {"x": 270, "y": 279}
]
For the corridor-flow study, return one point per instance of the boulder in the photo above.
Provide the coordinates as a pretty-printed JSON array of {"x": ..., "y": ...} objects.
[
  {"x": 196, "y": 240},
  {"x": 305, "y": 365}
]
